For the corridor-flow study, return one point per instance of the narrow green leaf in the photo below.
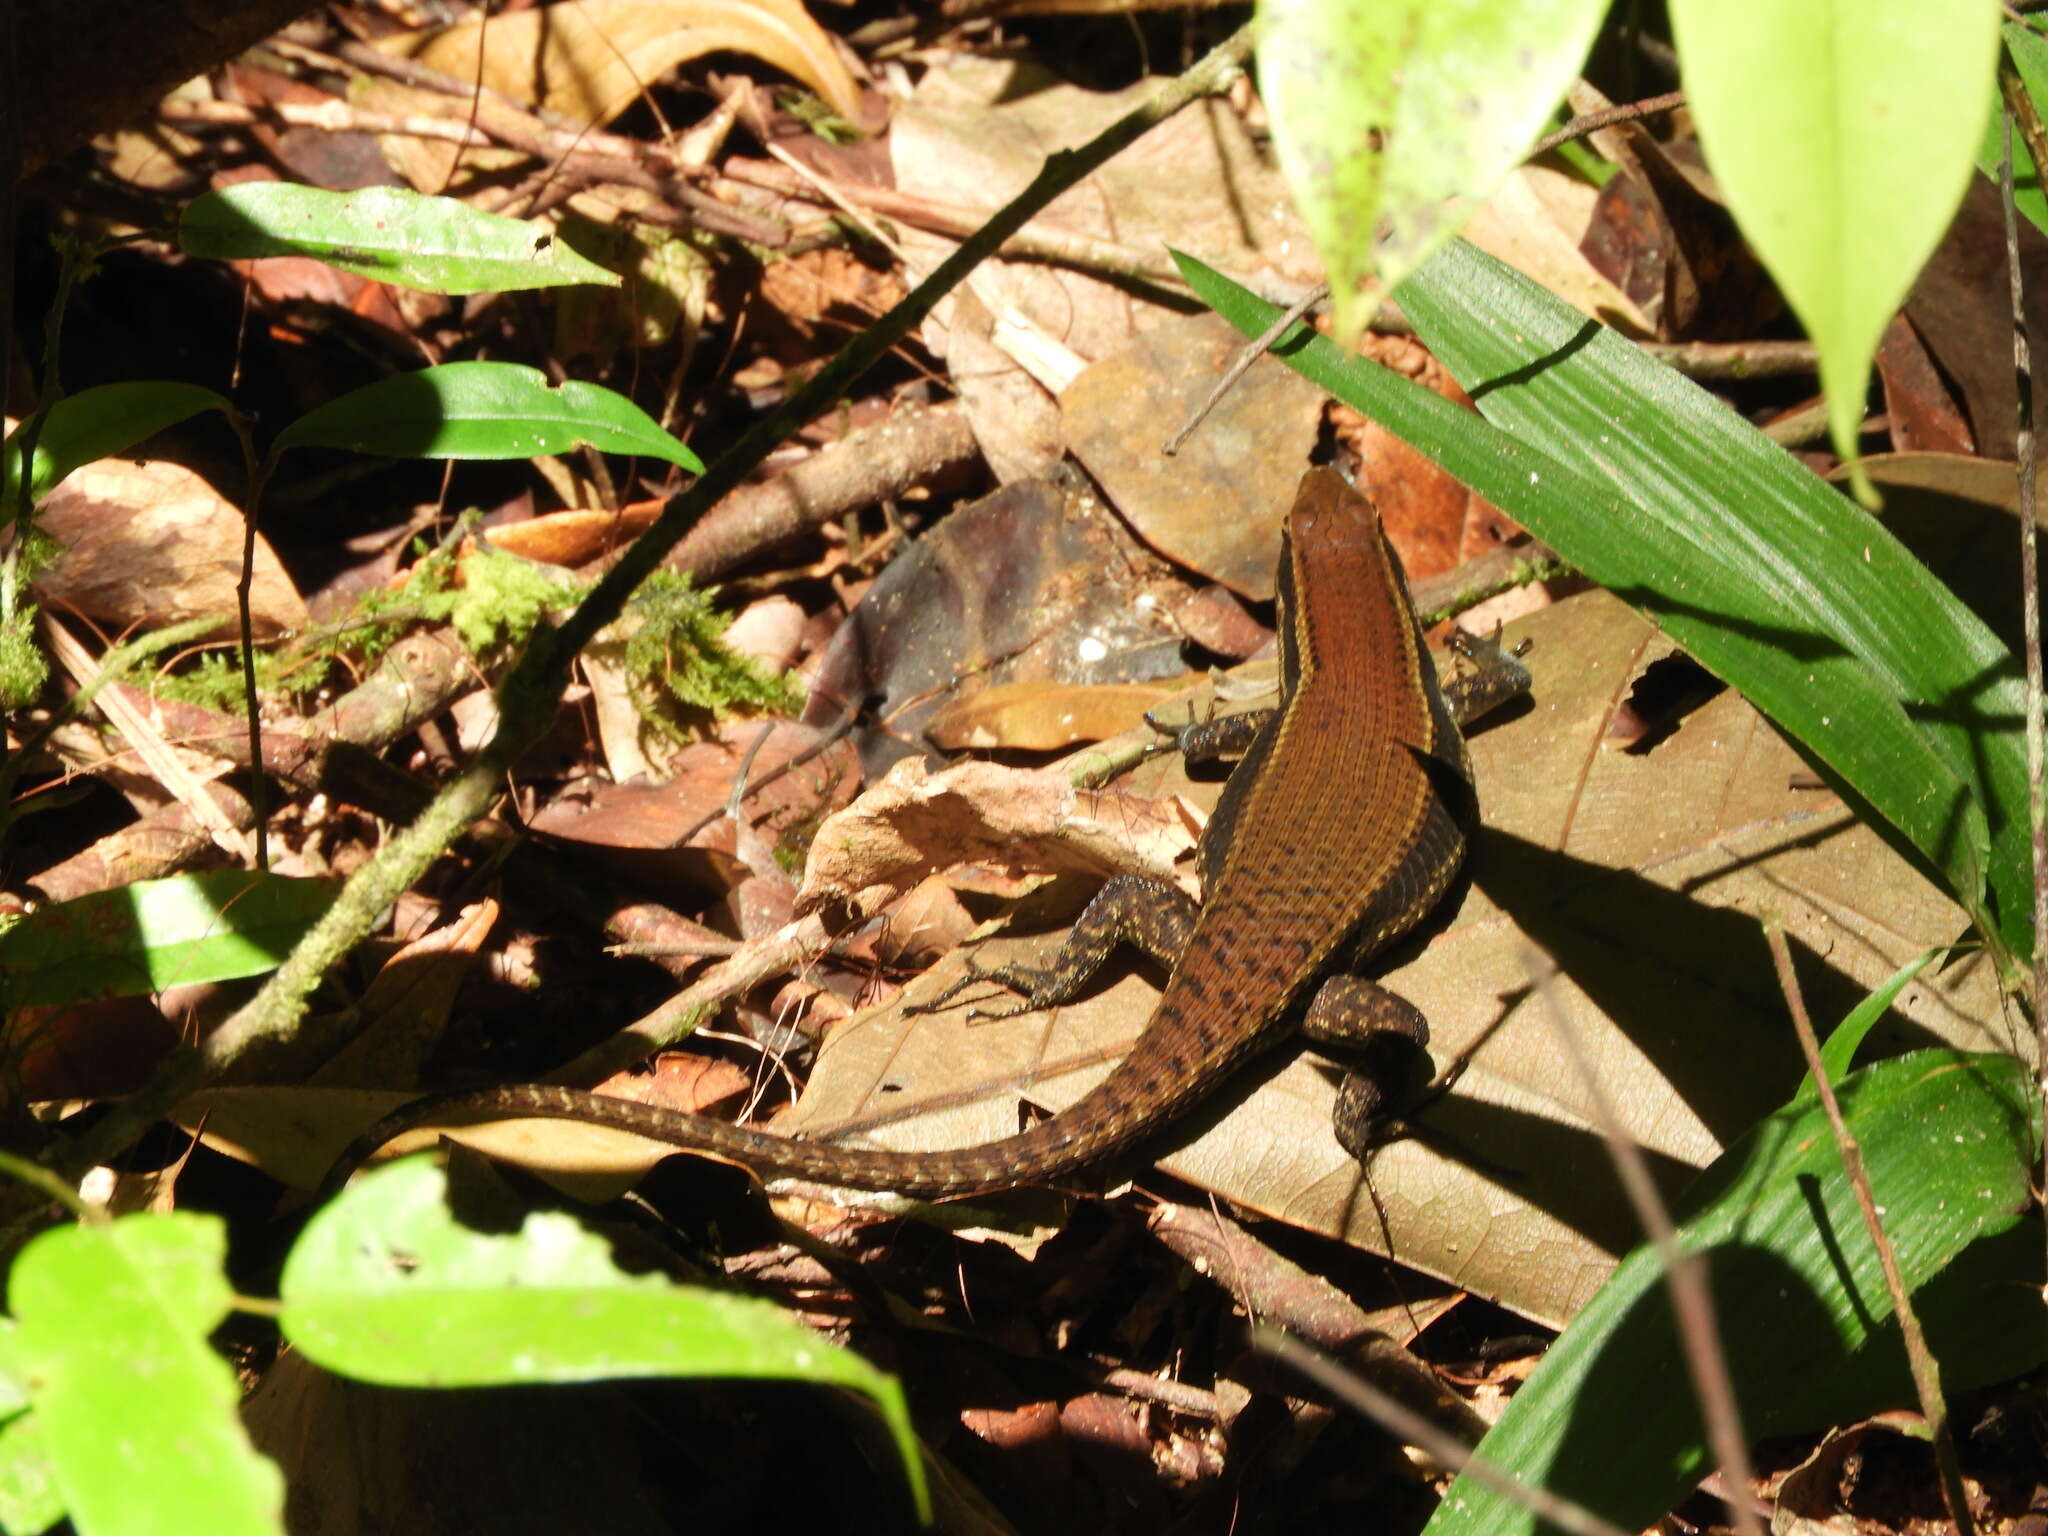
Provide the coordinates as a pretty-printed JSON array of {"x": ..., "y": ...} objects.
[
  {"x": 1806, "y": 1324},
  {"x": 391, "y": 234},
  {"x": 136, "y": 1412},
  {"x": 1767, "y": 576},
  {"x": 93, "y": 424},
  {"x": 1385, "y": 112},
  {"x": 1838, "y": 1051},
  {"x": 1842, "y": 136},
  {"x": 144, "y": 937},
  {"x": 2030, "y": 59},
  {"x": 385, "y": 1285},
  {"x": 483, "y": 411}
]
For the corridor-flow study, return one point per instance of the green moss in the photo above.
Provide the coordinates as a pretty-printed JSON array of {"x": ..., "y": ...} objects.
[
  {"x": 678, "y": 659},
  {"x": 23, "y": 667}
]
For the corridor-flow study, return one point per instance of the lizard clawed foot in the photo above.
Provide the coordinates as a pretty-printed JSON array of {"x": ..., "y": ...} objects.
[{"x": 1017, "y": 979}]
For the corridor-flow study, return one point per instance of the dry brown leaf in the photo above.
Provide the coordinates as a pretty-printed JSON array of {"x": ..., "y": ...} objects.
[
  {"x": 589, "y": 61},
  {"x": 974, "y": 134},
  {"x": 915, "y": 821},
  {"x": 1217, "y": 504},
  {"x": 576, "y": 536},
  {"x": 1043, "y": 717},
  {"x": 150, "y": 544}
]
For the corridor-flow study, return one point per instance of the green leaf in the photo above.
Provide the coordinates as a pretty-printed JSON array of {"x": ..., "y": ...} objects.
[
  {"x": 2030, "y": 59},
  {"x": 1385, "y": 111},
  {"x": 391, "y": 234},
  {"x": 386, "y": 1286},
  {"x": 93, "y": 424},
  {"x": 144, "y": 937},
  {"x": 1842, "y": 137},
  {"x": 483, "y": 411},
  {"x": 136, "y": 1412},
  {"x": 1771, "y": 579},
  {"x": 1839, "y": 1049},
  {"x": 30, "y": 1500},
  {"x": 1806, "y": 1324}
]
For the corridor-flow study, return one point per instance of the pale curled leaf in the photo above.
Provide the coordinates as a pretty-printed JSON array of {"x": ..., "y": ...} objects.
[
  {"x": 915, "y": 820},
  {"x": 1043, "y": 716}
]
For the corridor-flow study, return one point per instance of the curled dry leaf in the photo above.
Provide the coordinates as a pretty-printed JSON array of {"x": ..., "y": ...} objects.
[
  {"x": 1043, "y": 717},
  {"x": 914, "y": 822},
  {"x": 589, "y": 61}
]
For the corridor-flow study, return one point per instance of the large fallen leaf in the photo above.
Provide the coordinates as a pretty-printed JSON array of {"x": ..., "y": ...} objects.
[
  {"x": 975, "y": 133},
  {"x": 1215, "y": 505},
  {"x": 588, "y": 61},
  {"x": 1644, "y": 872},
  {"x": 152, "y": 544}
]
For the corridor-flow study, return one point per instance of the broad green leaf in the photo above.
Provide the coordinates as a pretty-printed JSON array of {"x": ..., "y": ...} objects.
[
  {"x": 93, "y": 424},
  {"x": 144, "y": 937},
  {"x": 483, "y": 411},
  {"x": 1806, "y": 1324},
  {"x": 2030, "y": 59},
  {"x": 391, "y": 234},
  {"x": 1772, "y": 580},
  {"x": 136, "y": 1412},
  {"x": 1842, "y": 137},
  {"x": 385, "y": 1285},
  {"x": 1387, "y": 111},
  {"x": 30, "y": 1500}
]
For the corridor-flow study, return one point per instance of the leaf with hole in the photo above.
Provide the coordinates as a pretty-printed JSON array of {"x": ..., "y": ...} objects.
[{"x": 388, "y": 234}]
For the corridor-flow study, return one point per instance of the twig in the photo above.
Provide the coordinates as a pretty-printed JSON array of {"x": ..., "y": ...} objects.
[
  {"x": 1926, "y": 1376},
  {"x": 1684, "y": 1274},
  {"x": 531, "y": 692},
  {"x": 1736, "y": 359},
  {"x": 2020, "y": 109},
  {"x": 1247, "y": 354},
  {"x": 1593, "y": 122}
]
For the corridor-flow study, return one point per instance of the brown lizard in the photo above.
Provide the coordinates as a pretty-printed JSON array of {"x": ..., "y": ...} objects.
[{"x": 1340, "y": 830}]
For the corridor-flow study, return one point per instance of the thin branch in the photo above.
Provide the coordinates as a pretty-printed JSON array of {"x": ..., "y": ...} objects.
[
  {"x": 1684, "y": 1274},
  {"x": 1926, "y": 1377},
  {"x": 1593, "y": 122},
  {"x": 2020, "y": 109}
]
